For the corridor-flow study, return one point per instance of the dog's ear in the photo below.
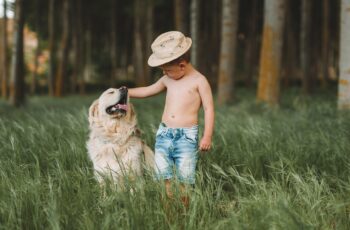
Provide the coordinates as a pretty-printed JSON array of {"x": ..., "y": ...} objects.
[{"x": 93, "y": 112}]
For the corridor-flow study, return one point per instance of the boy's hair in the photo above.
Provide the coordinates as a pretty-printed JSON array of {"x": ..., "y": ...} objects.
[{"x": 185, "y": 57}]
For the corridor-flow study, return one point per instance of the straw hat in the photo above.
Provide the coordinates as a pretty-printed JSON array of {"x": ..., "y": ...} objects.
[{"x": 167, "y": 47}]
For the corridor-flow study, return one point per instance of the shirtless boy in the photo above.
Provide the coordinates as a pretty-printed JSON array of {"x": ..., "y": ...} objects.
[{"x": 187, "y": 89}]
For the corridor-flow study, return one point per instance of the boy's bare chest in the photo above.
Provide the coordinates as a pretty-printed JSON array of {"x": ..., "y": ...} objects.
[
  {"x": 183, "y": 90},
  {"x": 182, "y": 87}
]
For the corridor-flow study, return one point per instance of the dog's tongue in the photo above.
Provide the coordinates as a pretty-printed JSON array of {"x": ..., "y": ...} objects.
[{"x": 122, "y": 106}]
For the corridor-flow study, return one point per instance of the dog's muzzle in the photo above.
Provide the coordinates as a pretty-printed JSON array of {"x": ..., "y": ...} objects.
[{"x": 121, "y": 106}]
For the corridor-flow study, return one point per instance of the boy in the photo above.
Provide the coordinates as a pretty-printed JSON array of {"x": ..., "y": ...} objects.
[{"x": 187, "y": 89}]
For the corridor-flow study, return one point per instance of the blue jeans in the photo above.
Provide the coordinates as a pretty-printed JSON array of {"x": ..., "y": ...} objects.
[{"x": 176, "y": 147}]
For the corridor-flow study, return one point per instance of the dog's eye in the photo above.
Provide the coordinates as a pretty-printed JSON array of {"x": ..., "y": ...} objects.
[{"x": 111, "y": 92}]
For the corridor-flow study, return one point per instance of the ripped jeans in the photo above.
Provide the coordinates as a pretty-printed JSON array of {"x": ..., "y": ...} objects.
[{"x": 176, "y": 147}]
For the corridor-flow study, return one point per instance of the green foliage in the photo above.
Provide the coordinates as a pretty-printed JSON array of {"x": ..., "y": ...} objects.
[{"x": 285, "y": 168}]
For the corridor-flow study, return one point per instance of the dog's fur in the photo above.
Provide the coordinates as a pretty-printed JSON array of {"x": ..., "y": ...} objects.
[{"x": 114, "y": 146}]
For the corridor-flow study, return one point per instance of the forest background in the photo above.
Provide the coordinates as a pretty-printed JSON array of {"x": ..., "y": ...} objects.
[{"x": 74, "y": 46}]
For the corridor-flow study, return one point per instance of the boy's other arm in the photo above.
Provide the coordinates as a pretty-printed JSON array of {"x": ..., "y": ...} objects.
[
  {"x": 208, "y": 107},
  {"x": 147, "y": 91}
]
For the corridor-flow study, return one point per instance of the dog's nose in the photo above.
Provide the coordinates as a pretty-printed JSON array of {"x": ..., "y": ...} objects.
[{"x": 123, "y": 89}]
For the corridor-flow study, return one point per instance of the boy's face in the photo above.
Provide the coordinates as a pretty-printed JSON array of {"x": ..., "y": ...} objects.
[{"x": 176, "y": 71}]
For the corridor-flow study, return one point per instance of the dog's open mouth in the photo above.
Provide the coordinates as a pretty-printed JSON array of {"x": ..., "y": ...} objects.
[{"x": 120, "y": 107}]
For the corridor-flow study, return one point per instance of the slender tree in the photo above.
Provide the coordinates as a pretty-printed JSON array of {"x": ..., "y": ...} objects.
[
  {"x": 138, "y": 51},
  {"x": 75, "y": 47},
  {"x": 210, "y": 38},
  {"x": 64, "y": 48},
  {"x": 290, "y": 53},
  {"x": 4, "y": 58},
  {"x": 344, "y": 62},
  {"x": 149, "y": 36},
  {"x": 33, "y": 84},
  {"x": 305, "y": 45},
  {"x": 271, "y": 52},
  {"x": 79, "y": 59},
  {"x": 228, "y": 50},
  {"x": 113, "y": 50},
  {"x": 250, "y": 53},
  {"x": 77, "y": 43},
  {"x": 194, "y": 31},
  {"x": 17, "y": 95},
  {"x": 1, "y": 54},
  {"x": 180, "y": 16},
  {"x": 34, "y": 80},
  {"x": 52, "y": 47},
  {"x": 88, "y": 52},
  {"x": 325, "y": 44}
]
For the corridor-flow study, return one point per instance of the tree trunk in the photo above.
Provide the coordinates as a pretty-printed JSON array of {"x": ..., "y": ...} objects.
[
  {"x": 206, "y": 36},
  {"x": 149, "y": 37},
  {"x": 114, "y": 60},
  {"x": 290, "y": 55},
  {"x": 305, "y": 44},
  {"x": 77, "y": 43},
  {"x": 88, "y": 53},
  {"x": 63, "y": 62},
  {"x": 33, "y": 84},
  {"x": 180, "y": 16},
  {"x": 76, "y": 52},
  {"x": 4, "y": 59},
  {"x": 270, "y": 59},
  {"x": 213, "y": 40},
  {"x": 250, "y": 53},
  {"x": 194, "y": 31},
  {"x": 52, "y": 50},
  {"x": 344, "y": 62},
  {"x": 325, "y": 44},
  {"x": 138, "y": 51},
  {"x": 127, "y": 50},
  {"x": 80, "y": 57},
  {"x": 17, "y": 95},
  {"x": 2, "y": 51},
  {"x": 228, "y": 50}
]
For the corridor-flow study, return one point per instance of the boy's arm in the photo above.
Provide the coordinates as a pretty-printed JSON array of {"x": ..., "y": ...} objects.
[
  {"x": 208, "y": 106},
  {"x": 147, "y": 91}
]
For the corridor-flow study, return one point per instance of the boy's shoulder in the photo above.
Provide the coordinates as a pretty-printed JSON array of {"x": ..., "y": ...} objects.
[
  {"x": 200, "y": 78},
  {"x": 198, "y": 74}
]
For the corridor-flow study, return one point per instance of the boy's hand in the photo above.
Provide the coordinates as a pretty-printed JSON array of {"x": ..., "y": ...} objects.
[{"x": 205, "y": 144}]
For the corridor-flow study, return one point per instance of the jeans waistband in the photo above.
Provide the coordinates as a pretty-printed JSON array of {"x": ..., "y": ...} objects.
[{"x": 192, "y": 129}]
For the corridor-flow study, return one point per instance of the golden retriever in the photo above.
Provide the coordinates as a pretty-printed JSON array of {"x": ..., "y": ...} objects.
[{"x": 114, "y": 146}]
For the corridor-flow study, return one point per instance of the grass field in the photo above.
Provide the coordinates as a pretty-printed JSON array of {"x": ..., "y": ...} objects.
[{"x": 282, "y": 168}]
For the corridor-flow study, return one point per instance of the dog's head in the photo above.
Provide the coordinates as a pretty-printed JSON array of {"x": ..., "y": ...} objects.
[{"x": 112, "y": 104}]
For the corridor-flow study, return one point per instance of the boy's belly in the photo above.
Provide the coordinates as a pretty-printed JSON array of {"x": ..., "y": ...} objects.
[
  {"x": 181, "y": 110},
  {"x": 179, "y": 119}
]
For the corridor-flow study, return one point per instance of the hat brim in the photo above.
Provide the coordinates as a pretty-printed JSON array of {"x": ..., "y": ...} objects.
[{"x": 154, "y": 61}]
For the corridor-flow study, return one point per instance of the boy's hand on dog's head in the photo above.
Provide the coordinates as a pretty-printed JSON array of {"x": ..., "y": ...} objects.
[{"x": 205, "y": 144}]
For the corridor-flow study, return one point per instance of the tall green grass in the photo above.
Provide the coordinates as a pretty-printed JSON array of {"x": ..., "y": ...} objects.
[{"x": 282, "y": 168}]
